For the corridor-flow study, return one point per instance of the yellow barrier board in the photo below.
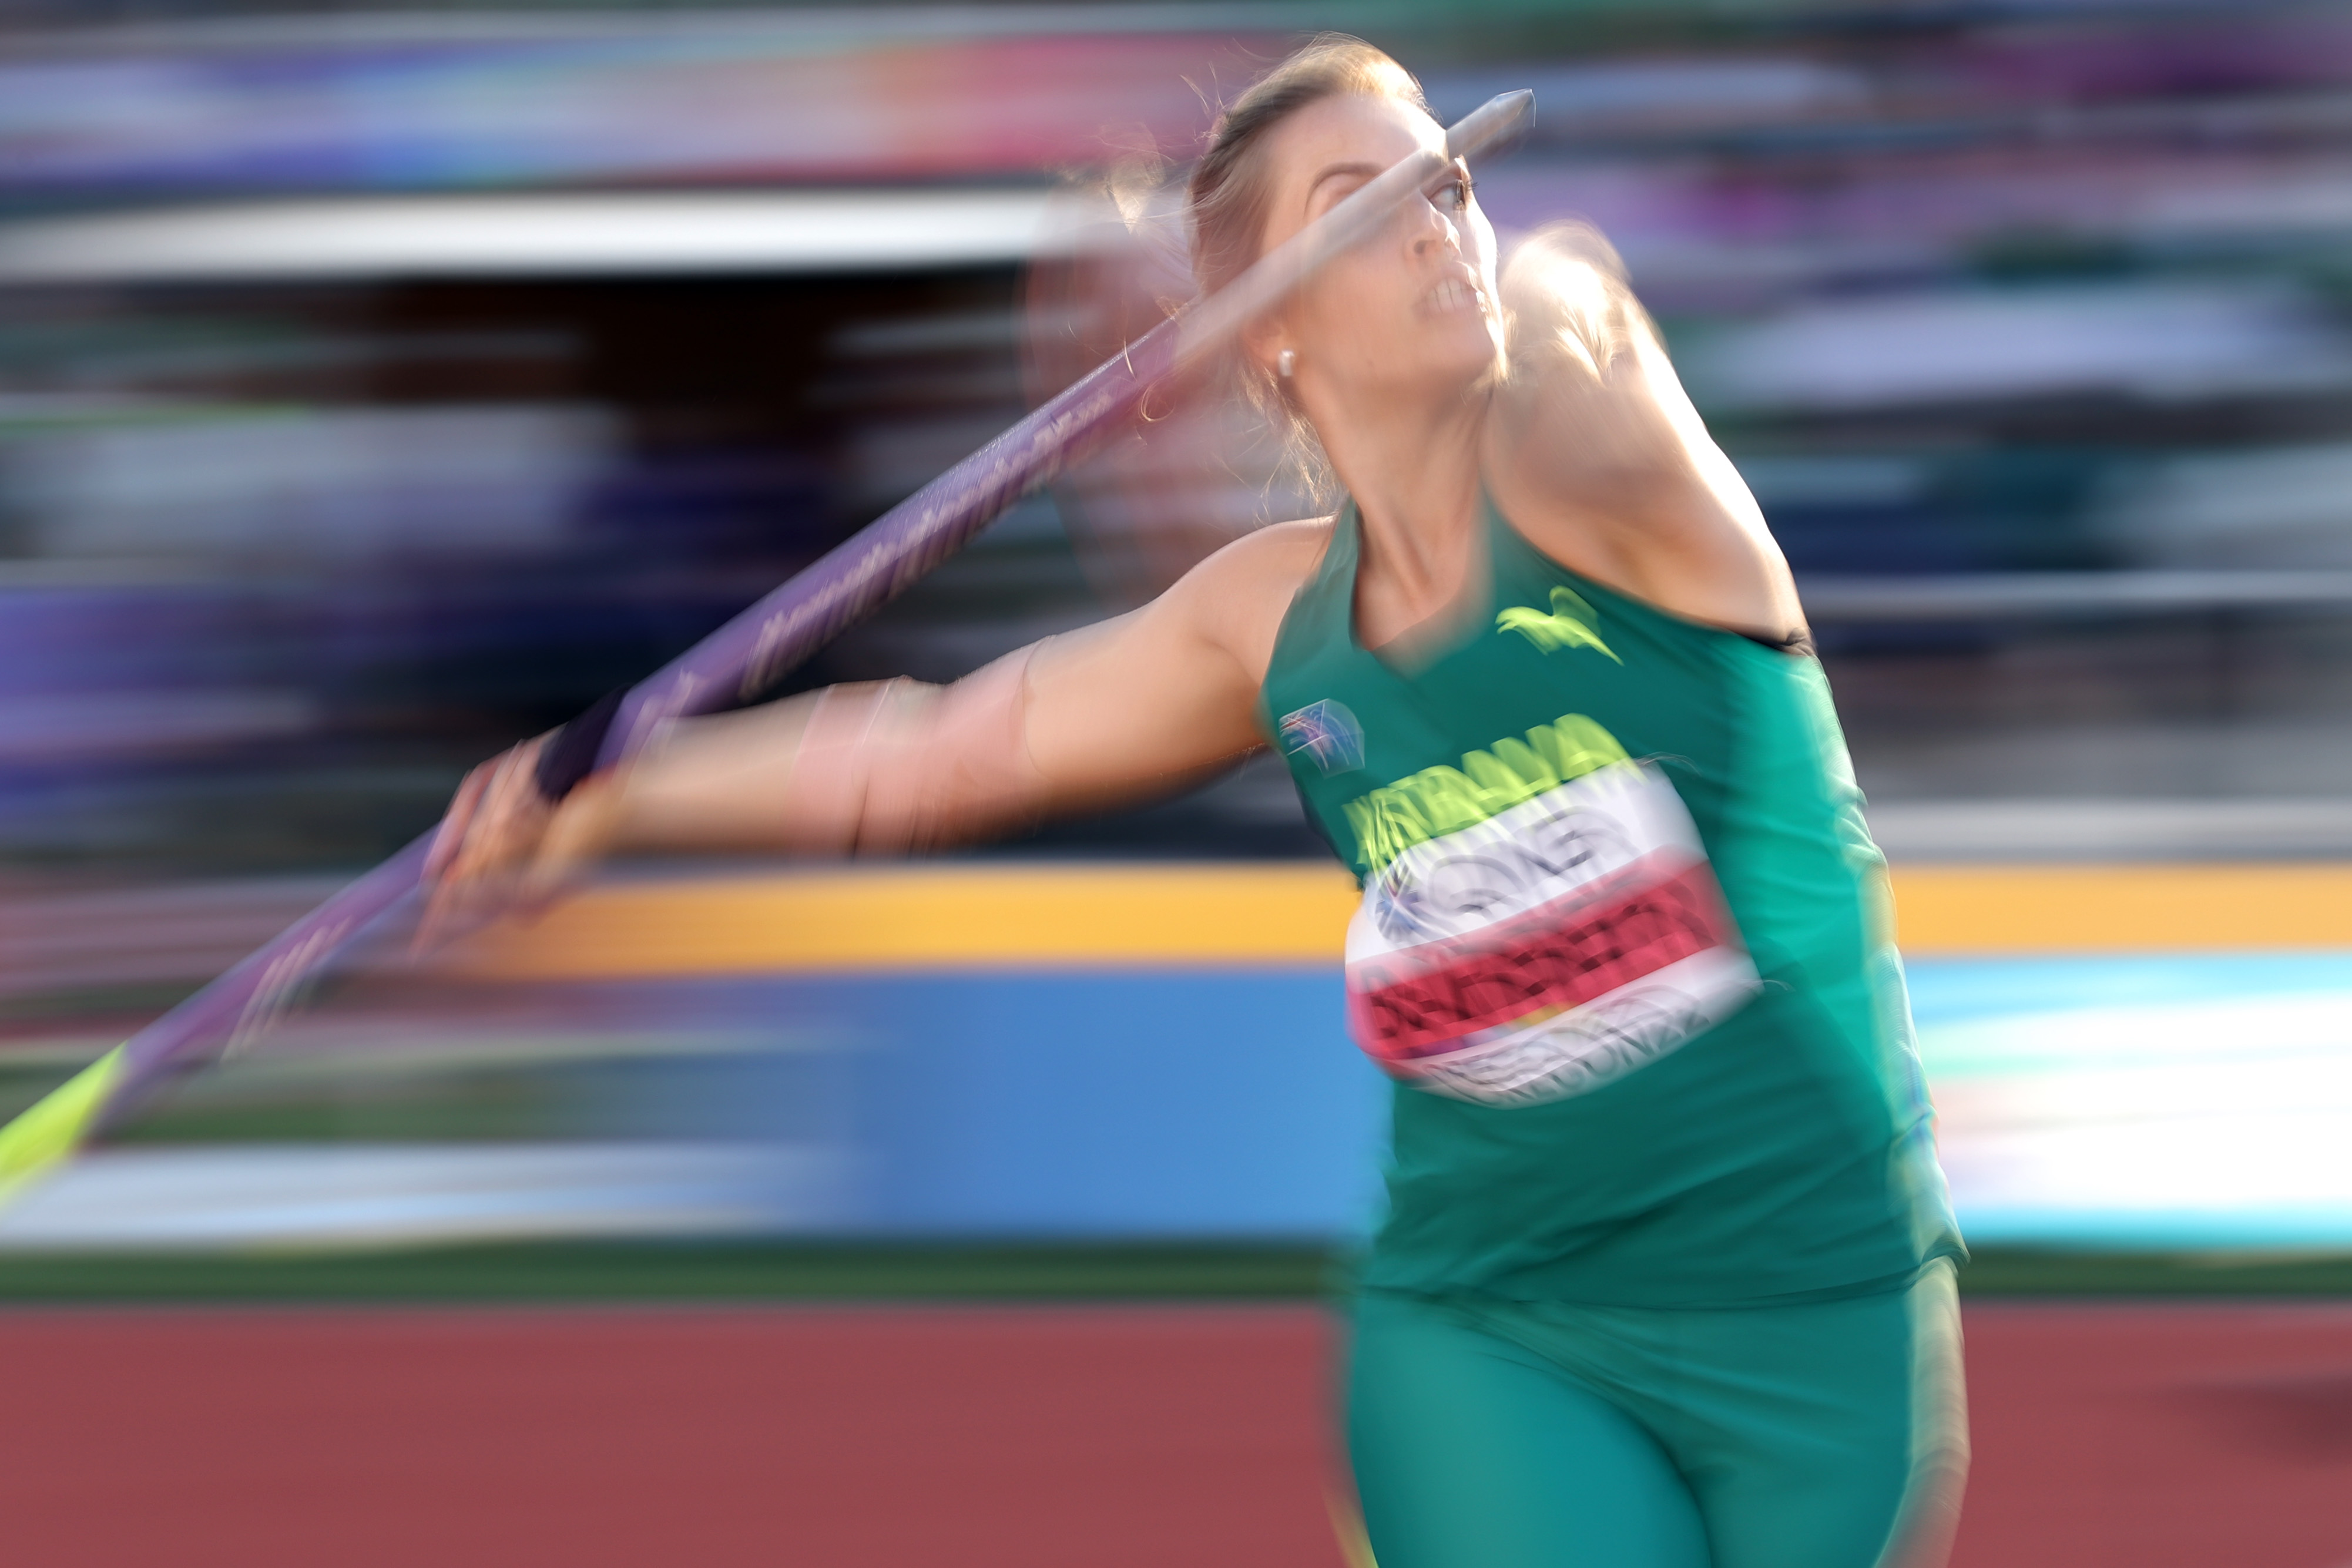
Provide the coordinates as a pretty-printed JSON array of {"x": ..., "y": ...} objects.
[
  {"x": 951, "y": 917},
  {"x": 1957, "y": 910},
  {"x": 934, "y": 918}
]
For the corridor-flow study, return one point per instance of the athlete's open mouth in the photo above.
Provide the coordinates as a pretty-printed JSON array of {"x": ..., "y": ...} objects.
[{"x": 1453, "y": 294}]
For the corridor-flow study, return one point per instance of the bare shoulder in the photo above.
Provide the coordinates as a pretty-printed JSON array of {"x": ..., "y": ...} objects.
[
  {"x": 1236, "y": 599},
  {"x": 1280, "y": 553},
  {"x": 1613, "y": 474}
]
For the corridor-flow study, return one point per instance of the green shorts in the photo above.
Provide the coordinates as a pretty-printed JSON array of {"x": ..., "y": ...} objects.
[{"x": 1493, "y": 1434}]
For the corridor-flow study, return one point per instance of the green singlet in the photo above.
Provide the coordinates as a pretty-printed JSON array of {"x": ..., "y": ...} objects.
[{"x": 1624, "y": 945}]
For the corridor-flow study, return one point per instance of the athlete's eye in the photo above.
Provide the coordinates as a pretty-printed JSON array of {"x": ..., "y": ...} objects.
[{"x": 1456, "y": 194}]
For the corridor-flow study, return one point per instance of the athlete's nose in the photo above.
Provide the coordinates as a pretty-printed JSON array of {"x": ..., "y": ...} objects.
[{"x": 1431, "y": 228}]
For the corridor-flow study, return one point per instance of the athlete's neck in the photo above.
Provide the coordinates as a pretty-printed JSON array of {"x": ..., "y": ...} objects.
[{"x": 1412, "y": 470}]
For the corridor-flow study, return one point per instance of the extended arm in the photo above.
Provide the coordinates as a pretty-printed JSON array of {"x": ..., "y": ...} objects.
[
  {"x": 1138, "y": 707},
  {"x": 1135, "y": 707}
]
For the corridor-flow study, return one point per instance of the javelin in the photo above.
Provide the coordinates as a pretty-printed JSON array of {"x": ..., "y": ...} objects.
[{"x": 746, "y": 656}]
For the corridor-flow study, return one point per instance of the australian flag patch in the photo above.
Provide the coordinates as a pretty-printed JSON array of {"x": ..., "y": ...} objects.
[{"x": 1327, "y": 732}]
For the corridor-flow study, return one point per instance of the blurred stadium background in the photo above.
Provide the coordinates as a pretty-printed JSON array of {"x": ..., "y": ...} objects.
[{"x": 377, "y": 388}]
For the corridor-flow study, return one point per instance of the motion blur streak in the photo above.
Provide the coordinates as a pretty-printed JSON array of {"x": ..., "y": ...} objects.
[{"x": 378, "y": 389}]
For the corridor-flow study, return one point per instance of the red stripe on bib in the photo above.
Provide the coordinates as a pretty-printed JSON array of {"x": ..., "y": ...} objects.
[{"x": 1563, "y": 955}]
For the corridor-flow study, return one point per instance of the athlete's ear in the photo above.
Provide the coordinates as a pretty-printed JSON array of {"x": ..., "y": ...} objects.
[{"x": 1262, "y": 342}]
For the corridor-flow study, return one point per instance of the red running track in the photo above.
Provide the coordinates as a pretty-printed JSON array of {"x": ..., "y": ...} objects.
[{"x": 2147, "y": 1435}]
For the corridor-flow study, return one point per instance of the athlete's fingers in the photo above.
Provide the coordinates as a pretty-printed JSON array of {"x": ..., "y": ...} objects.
[
  {"x": 449, "y": 839},
  {"x": 452, "y": 831},
  {"x": 500, "y": 831},
  {"x": 577, "y": 835},
  {"x": 508, "y": 827},
  {"x": 477, "y": 848}
]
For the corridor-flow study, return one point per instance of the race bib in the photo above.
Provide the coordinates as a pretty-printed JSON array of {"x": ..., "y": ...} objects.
[{"x": 1549, "y": 949}]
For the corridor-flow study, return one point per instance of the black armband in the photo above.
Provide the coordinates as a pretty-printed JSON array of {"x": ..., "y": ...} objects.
[{"x": 570, "y": 752}]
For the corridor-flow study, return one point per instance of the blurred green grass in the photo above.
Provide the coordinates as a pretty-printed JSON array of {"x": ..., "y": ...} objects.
[
  {"x": 850, "y": 1270},
  {"x": 674, "y": 1270}
]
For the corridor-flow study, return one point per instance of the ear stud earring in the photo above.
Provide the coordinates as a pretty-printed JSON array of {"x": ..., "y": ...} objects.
[{"x": 1286, "y": 363}]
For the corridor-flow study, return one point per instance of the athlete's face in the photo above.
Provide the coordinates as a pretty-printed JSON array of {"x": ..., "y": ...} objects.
[{"x": 1410, "y": 311}]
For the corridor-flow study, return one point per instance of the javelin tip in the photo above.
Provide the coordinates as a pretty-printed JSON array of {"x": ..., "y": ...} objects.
[
  {"x": 1494, "y": 125},
  {"x": 53, "y": 1127}
]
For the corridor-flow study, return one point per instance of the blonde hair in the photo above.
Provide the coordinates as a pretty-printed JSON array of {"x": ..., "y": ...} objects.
[{"x": 1229, "y": 194}]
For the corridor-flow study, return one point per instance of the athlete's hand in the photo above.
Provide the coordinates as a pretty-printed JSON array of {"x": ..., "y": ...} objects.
[{"x": 504, "y": 848}]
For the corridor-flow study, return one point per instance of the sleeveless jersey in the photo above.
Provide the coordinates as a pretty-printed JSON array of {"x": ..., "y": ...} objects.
[{"x": 1622, "y": 944}]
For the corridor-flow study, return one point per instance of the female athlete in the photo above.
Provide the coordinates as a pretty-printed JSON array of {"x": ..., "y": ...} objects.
[{"x": 1666, "y": 1275}]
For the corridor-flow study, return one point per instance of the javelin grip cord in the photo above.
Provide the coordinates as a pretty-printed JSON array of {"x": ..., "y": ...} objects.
[{"x": 747, "y": 656}]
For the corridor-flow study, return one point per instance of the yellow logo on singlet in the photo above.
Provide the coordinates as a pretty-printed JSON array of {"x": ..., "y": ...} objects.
[
  {"x": 1569, "y": 624},
  {"x": 1435, "y": 801}
]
